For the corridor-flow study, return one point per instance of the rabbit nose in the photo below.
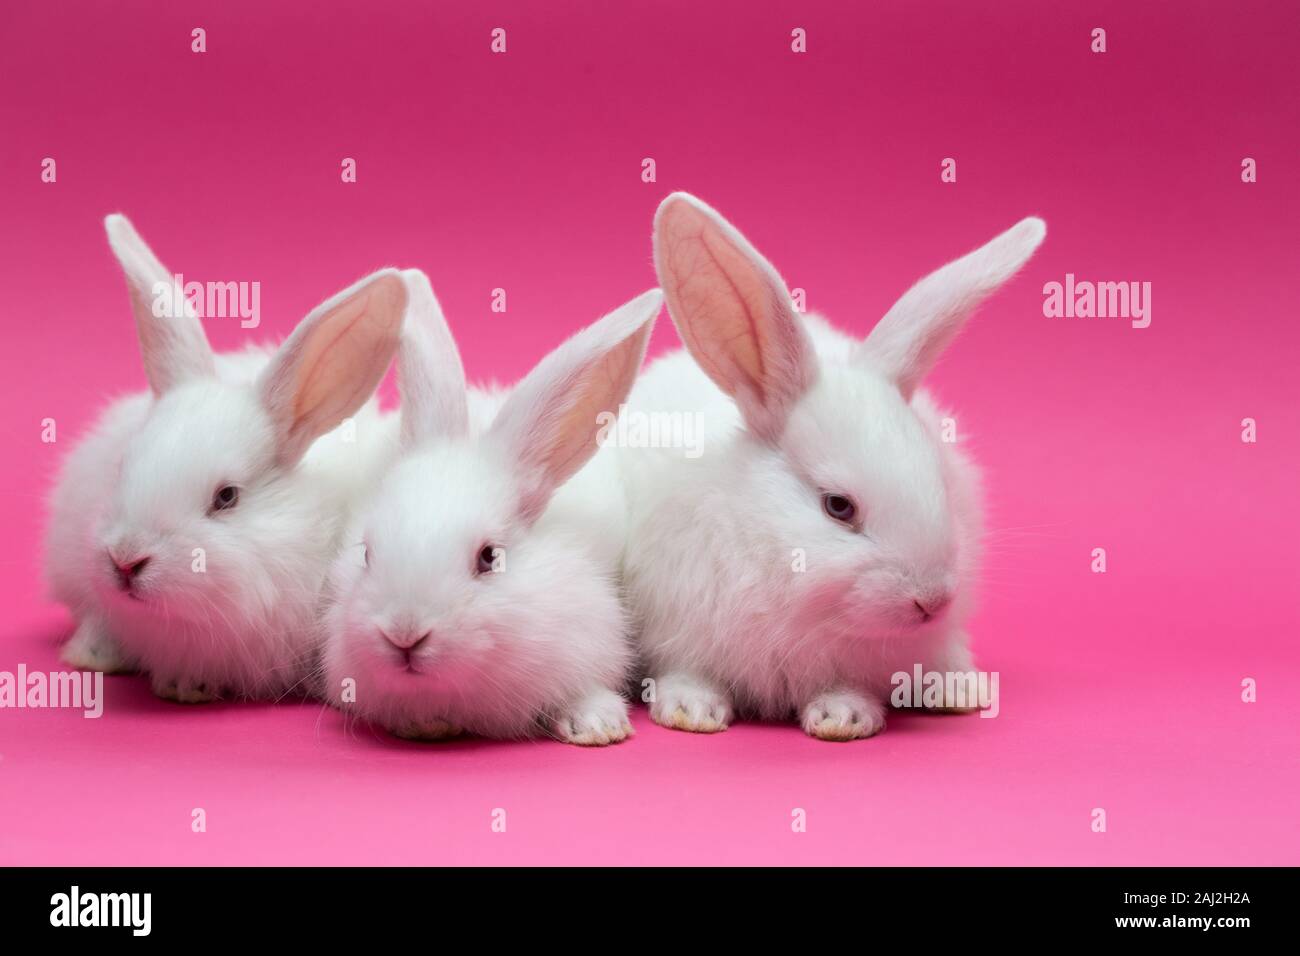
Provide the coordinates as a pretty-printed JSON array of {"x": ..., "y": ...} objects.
[
  {"x": 405, "y": 639},
  {"x": 932, "y": 605},
  {"x": 127, "y": 569}
]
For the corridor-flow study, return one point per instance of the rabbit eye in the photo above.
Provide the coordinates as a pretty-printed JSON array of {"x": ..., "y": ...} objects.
[
  {"x": 227, "y": 497},
  {"x": 487, "y": 556},
  {"x": 839, "y": 507}
]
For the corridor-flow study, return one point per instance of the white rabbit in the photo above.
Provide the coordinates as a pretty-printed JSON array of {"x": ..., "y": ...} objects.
[
  {"x": 191, "y": 530},
  {"x": 482, "y": 592},
  {"x": 823, "y": 537}
]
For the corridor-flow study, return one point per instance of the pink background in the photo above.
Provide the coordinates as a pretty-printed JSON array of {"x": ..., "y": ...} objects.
[{"x": 522, "y": 171}]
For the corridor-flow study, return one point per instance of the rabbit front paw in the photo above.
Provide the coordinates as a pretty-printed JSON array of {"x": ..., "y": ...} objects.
[
  {"x": 92, "y": 649},
  {"x": 185, "y": 690},
  {"x": 597, "y": 720},
  {"x": 686, "y": 703},
  {"x": 843, "y": 715}
]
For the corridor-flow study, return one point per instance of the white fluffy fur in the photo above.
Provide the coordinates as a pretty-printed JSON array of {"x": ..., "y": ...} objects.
[
  {"x": 435, "y": 648},
  {"x": 142, "y": 483},
  {"x": 792, "y": 410}
]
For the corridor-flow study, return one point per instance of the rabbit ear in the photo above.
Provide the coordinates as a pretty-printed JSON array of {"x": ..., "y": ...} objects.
[
  {"x": 172, "y": 342},
  {"x": 332, "y": 362},
  {"x": 430, "y": 375},
  {"x": 550, "y": 424},
  {"x": 907, "y": 342},
  {"x": 733, "y": 312}
]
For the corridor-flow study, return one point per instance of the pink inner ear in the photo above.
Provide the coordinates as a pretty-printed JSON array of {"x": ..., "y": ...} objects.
[
  {"x": 734, "y": 315},
  {"x": 718, "y": 292},
  {"x": 550, "y": 423},
  {"x": 344, "y": 358},
  {"x": 599, "y": 387}
]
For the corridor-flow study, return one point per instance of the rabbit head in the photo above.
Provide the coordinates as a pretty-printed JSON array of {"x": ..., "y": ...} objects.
[
  {"x": 211, "y": 482},
  {"x": 458, "y": 601},
  {"x": 840, "y": 455}
]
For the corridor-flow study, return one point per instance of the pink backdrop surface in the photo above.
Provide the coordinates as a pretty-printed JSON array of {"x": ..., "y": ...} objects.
[{"x": 523, "y": 171}]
